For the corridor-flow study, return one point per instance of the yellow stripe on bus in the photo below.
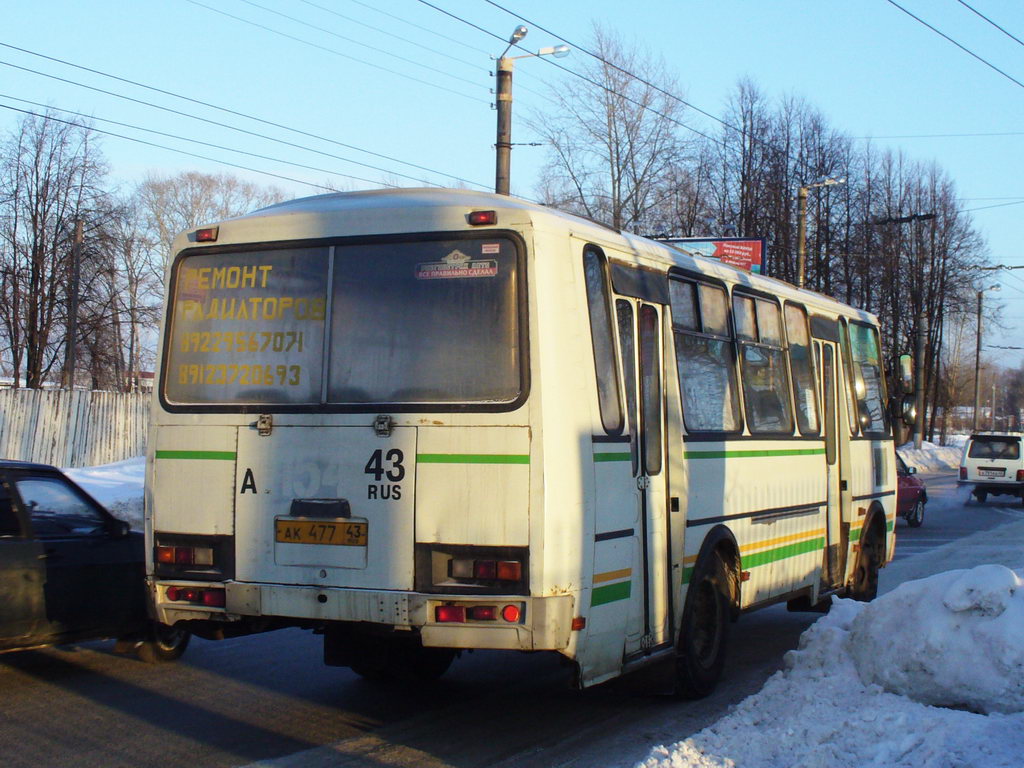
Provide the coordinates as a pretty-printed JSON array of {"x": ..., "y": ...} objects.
[
  {"x": 770, "y": 543},
  {"x": 624, "y": 573}
]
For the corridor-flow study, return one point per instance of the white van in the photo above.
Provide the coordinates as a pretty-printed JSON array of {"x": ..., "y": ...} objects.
[{"x": 992, "y": 461}]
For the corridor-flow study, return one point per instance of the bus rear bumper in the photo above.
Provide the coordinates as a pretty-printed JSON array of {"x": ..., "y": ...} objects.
[{"x": 519, "y": 622}]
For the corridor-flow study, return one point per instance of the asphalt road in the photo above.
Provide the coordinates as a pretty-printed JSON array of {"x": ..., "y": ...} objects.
[{"x": 269, "y": 699}]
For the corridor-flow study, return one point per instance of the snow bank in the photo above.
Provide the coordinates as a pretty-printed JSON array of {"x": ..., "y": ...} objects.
[
  {"x": 948, "y": 637},
  {"x": 955, "y": 639},
  {"x": 934, "y": 458},
  {"x": 118, "y": 487}
]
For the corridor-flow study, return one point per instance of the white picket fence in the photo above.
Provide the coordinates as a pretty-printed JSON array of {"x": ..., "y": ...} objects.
[{"x": 72, "y": 429}]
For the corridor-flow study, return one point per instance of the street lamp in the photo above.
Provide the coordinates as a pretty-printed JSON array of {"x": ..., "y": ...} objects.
[
  {"x": 503, "y": 104},
  {"x": 977, "y": 363},
  {"x": 801, "y": 238}
]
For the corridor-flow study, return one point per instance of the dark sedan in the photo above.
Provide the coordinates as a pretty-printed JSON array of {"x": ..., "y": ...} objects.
[{"x": 69, "y": 570}]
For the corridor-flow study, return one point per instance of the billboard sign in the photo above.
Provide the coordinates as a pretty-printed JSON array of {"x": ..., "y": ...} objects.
[{"x": 745, "y": 253}]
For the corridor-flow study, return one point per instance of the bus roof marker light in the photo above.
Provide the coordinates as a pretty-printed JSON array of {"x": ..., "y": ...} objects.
[
  {"x": 207, "y": 235},
  {"x": 480, "y": 218}
]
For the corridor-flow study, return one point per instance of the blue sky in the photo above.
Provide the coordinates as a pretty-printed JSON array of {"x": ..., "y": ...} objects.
[{"x": 425, "y": 99}]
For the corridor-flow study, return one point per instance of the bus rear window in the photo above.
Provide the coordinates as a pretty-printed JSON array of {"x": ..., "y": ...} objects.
[{"x": 409, "y": 322}]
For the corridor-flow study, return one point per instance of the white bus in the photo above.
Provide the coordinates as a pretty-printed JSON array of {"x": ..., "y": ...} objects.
[{"x": 420, "y": 421}]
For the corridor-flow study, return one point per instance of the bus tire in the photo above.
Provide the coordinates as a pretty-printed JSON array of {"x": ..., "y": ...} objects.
[
  {"x": 864, "y": 585},
  {"x": 163, "y": 644},
  {"x": 700, "y": 651}
]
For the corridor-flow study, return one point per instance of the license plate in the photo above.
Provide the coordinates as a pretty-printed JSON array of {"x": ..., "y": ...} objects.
[
  {"x": 341, "y": 533},
  {"x": 991, "y": 472}
]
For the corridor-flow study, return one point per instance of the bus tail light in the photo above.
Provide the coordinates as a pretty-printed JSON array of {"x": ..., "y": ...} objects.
[
  {"x": 206, "y": 235},
  {"x": 214, "y": 598},
  {"x": 511, "y": 613},
  {"x": 479, "y": 218},
  {"x": 1020, "y": 475},
  {"x": 463, "y": 569},
  {"x": 184, "y": 555},
  {"x": 450, "y": 614},
  {"x": 963, "y": 473},
  {"x": 482, "y": 613}
]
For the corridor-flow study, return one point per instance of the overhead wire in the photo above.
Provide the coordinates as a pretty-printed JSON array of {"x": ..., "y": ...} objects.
[
  {"x": 332, "y": 51},
  {"x": 236, "y": 113},
  {"x": 209, "y": 121},
  {"x": 212, "y": 145},
  {"x": 173, "y": 149},
  {"x": 962, "y": 47},
  {"x": 986, "y": 18},
  {"x": 347, "y": 39}
]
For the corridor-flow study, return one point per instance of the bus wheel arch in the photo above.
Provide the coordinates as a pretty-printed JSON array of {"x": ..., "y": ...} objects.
[
  {"x": 863, "y": 583},
  {"x": 712, "y": 603}
]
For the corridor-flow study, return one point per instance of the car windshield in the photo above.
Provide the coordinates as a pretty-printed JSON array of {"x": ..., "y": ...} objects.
[
  {"x": 432, "y": 321},
  {"x": 995, "y": 448}
]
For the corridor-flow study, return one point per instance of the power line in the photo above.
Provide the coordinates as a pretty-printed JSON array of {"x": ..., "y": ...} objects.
[
  {"x": 326, "y": 31},
  {"x": 226, "y": 110},
  {"x": 986, "y": 207},
  {"x": 172, "y": 149},
  {"x": 198, "y": 141},
  {"x": 463, "y": 43},
  {"x": 311, "y": 44},
  {"x": 333, "y": 12},
  {"x": 209, "y": 121},
  {"x": 963, "y": 48},
  {"x": 986, "y": 18}
]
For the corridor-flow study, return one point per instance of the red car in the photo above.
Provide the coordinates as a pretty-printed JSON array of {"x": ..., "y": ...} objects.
[{"x": 911, "y": 495}]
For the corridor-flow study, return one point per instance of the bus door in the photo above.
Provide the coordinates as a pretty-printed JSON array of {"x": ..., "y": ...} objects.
[
  {"x": 640, "y": 342},
  {"x": 838, "y": 533}
]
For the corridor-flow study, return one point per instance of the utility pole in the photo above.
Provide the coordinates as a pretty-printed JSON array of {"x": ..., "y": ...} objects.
[
  {"x": 503, "y": 144},
  {"x": 72, "y": 329},
  {"x": 503, "y": 106},
  {"x": 801, "y": 230},
  {"x": 977, "y": 362}
]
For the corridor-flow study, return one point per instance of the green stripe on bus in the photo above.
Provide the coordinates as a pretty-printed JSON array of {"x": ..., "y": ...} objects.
[
  {"x": 473, "y": 458},
  {"x": 769, "y": 556},
  {"x": 198, "y": 455},
  {"x": 753, "y": 454},
  {"x": 612, "y": 456},
  {"x": 790, "y": 550},
  {"x": 610, "y": 593}
]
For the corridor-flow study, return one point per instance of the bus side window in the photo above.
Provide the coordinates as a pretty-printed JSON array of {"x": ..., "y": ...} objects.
[
  {"x": 705, "y": 357},
  {"x": 596, "y": 276},
  {"x": 868, "y": 380},
  {"x": 802, "y": 369},
  {"x": 763, "y": 365}
]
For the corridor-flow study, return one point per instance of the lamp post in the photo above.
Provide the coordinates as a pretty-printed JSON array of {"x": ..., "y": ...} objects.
[
  {"x": 801, "y": 236},
  {"x": 977, "y": 362},
  {"x": 503, "y": 105}
]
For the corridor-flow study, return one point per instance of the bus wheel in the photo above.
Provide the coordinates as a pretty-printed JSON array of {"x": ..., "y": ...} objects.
[
  {"x": 163, "y": 644},
  {"x": 700, "y": 652},
  {"x": 916, "y": 515},
  {"x": 864, "y": 586}
]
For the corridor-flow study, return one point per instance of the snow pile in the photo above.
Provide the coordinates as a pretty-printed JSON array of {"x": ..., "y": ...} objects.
[
  {"x": 949, "y": 638},
  {"x": 955, "y": 639},
  {"x": 118, "y": 487},
  {"x": 934, "y": 458}
]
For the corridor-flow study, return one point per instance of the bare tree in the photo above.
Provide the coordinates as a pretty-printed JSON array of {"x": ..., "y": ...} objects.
[
  {"x": 613, "y": 140},
  {"x": 51, "y": 173},
  {"x": 171, "y": 204}
]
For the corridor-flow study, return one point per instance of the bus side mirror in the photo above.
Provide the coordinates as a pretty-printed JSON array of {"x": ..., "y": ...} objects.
[
  {"x": 907, "y": 373},
  {"x": 908, "y": 410}
]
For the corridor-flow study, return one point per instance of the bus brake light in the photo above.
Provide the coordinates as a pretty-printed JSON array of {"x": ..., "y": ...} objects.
[
  {"x": 479, "y": 218},
  {"x": 450, "y": 614}
]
